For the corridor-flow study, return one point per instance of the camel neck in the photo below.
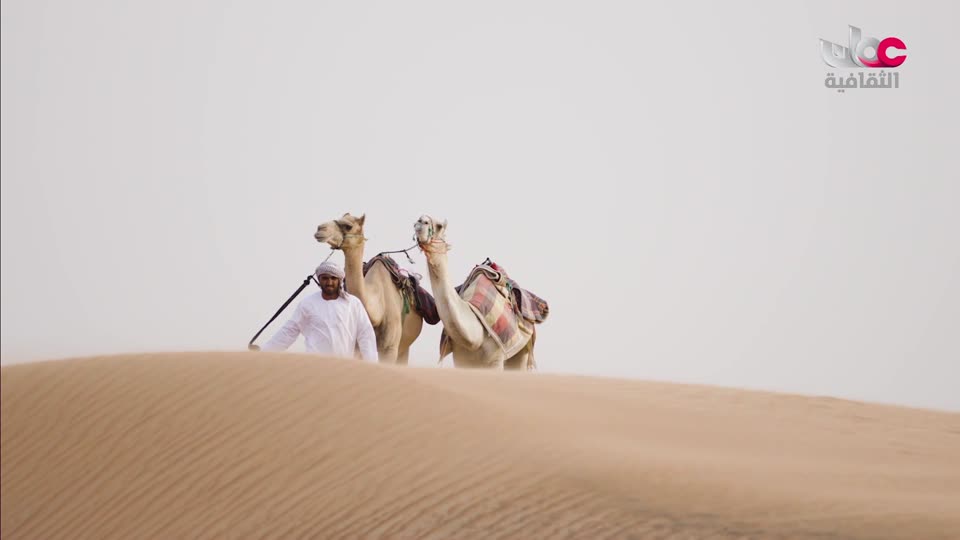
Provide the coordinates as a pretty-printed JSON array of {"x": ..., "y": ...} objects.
[
  {"x": 459, "y": 321},
  {"x": 443, "y": 288},
  {"x": 353, "y": 270},
  {"x": 437, "y": 267}
]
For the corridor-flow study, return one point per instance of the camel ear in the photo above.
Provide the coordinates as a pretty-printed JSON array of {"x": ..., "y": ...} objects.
[{"x": 361, "y": 219}]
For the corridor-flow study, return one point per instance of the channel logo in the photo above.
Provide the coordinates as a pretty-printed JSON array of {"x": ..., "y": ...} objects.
[{"x": 864, "y": 52}]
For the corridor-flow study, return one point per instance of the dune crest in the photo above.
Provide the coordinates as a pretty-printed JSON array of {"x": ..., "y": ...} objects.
[{"x": 288, "y": 445}]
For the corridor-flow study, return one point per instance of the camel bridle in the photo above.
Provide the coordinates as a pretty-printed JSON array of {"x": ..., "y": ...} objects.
[{"x": 426, "y": 247}]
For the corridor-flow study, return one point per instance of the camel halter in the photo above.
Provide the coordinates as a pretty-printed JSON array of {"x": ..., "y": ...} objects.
[
  {"x": 424, "y": 246},
  {"x": 340, "y": 247},
  {"x": 427, "y": 247},
  {"x": 345, "y": 236}
]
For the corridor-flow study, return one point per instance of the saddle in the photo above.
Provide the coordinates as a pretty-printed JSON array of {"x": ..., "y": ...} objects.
[
  {"x": 507, "y": 311},
  {"x": 409, "y": 286}
]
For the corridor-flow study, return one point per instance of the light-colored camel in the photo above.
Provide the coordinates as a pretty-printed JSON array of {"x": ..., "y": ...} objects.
[
  {"x": 473, "y": 346},
  {"x": 395, "y": 330}
]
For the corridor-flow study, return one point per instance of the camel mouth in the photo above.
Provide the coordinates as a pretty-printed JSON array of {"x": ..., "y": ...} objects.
[
  {"x": 420, "y": 233},
  {"x": 324, "y": 239}
]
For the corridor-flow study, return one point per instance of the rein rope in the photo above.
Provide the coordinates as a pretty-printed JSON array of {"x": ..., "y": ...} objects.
[{"x": 404, "y": 251}]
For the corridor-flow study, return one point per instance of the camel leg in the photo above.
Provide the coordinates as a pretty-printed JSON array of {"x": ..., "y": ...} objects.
[
  {"x": 412, "y": 325},
  {"x": 388, "y": 349},
  {"x": 517, "y": 362},
  {"x": 403, "y": 353},
  {"x": 521, "y": 360},
  {"x": 388, "y": 340},
  {"x": 388, "y": 355}
]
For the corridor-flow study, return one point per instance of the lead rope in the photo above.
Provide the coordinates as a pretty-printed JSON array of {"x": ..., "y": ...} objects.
[
  {"x": 303, "y": 285},
  {"x": 404, "y": 251}
]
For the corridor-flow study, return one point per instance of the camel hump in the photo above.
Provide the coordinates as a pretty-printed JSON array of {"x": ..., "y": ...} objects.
[
  {"x": 526, "y": 304},
  {"x": 408, "y": 284}
]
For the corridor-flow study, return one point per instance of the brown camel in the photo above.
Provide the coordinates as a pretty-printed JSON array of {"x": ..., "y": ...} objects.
[{"x": 396, "y": 328}]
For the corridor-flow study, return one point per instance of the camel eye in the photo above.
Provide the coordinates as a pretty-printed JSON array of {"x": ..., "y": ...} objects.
[{"x": 344, "y": 225}]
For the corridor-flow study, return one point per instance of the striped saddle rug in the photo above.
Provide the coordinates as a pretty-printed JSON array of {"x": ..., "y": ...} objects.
[{"x": 507, "y": 311}]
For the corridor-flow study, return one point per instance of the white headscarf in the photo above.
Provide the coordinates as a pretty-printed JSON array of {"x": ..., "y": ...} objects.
[{"x": 330, "y": 269}]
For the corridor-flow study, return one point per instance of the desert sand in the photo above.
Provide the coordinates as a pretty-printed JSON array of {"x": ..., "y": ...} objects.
[{"x": 252, "y": 445}]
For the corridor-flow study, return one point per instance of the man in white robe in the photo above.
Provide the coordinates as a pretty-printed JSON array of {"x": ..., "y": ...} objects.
[{"x": 332, "y": 321}]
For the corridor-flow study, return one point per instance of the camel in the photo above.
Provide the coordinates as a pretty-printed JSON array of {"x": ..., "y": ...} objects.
[
  {"x": 395, "y": 330},
  {"x": 473, "y": 346}
]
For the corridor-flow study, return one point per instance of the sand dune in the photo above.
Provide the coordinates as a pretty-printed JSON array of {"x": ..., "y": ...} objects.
[{"x": 238, "y": 445}]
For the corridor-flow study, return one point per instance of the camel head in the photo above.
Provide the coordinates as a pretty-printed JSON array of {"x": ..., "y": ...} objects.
[
  {"x": 428, "y": 230},
  {"x": 346, "y": 231}
]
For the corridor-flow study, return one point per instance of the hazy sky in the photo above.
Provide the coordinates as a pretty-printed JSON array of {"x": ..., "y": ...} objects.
[{"x": 674, "y": 178}]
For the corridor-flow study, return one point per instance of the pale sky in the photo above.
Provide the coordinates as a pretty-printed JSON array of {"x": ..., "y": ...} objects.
[{"x": 673, "y": 178}]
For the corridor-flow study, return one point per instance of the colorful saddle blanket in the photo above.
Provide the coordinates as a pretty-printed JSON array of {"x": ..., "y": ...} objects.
[
  {"x": 409, "y": 285},
  {"x": 507, "y": 311}
]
